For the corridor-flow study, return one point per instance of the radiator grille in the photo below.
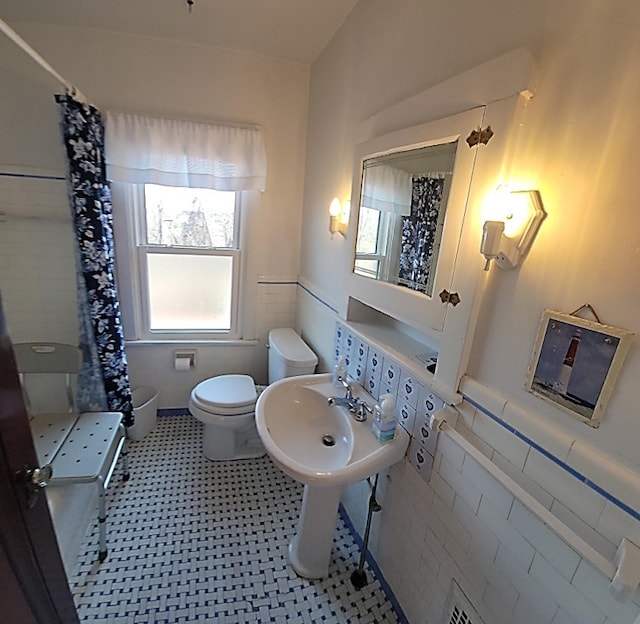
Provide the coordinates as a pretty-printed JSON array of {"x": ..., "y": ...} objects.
[
  {"x": 460, "y": 616},
  {"x": 459, "y": 609}
]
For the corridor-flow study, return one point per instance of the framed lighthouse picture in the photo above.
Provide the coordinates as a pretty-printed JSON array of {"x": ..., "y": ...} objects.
[{"x": 575, "y": 364}]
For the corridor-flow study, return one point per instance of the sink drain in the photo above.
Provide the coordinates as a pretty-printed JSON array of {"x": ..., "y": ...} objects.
[{"x": 328, "y": 440}]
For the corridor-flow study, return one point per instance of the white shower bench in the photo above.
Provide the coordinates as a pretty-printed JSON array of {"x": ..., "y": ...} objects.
[{"x": 79, "y": 447}]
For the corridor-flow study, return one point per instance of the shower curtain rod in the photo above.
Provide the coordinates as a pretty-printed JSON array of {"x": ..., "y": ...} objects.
[{"x": 21, "y": 43}]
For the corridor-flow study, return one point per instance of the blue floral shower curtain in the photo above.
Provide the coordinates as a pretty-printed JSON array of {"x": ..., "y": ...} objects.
[
  {"x": 419, "y": 232},
  {"x": 103, "y": 383}
]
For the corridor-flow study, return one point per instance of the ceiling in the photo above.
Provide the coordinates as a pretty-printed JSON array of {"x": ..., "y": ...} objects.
[{"x": 296, "y": 30}]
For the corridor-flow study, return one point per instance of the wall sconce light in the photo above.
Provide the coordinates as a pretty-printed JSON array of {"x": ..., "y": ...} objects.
[
  {"x": 339, "y": 217},
  {"x": 508, "y": 236}
]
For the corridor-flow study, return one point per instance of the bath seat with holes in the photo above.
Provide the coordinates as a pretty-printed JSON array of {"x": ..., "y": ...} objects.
[{"x": 80, "y": 447}]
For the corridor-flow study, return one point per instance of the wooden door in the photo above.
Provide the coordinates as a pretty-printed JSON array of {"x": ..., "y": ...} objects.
[{"x": 33, "y": 585}]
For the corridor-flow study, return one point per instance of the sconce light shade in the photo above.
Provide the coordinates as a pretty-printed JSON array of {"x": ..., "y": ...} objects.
[
  {"x": 339, "y": 217},
  {"x": 507, "y": 240}
]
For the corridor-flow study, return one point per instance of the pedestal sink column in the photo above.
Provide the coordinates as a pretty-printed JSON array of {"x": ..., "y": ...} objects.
[{"x": 310, "y": 549}]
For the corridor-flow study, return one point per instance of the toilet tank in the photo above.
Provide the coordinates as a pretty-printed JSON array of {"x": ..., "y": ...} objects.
[{"x": 289, "y": 355}]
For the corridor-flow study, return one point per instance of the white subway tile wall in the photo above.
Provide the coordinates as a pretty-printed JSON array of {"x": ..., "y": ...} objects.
[
  {"x": 276, "y": 304},
  {"x": 37, "y": 264},
  {"x": 606, "y": 472},
  {"x": 455, "y": 521}
]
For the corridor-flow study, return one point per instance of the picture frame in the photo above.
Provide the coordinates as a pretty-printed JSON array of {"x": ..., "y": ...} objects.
[{"x": 575, "y": 363}]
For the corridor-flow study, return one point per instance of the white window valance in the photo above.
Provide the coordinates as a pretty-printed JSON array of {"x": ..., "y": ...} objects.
[
  {"x": 150, "y": 150},
  {"x": 387, "y": 189}
]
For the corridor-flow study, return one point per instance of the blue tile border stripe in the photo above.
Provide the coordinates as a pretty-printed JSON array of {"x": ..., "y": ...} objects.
[
  {"x": 173, "y": 411},
  {"x": 305, "y": 288},
  {"x": 277, "y": 282},
  {"x": 572, "y": 471},
  {"x": 594, "y": 486},
  {"x": 374, "y": 566},
  {"x": 318, "y": 299}
]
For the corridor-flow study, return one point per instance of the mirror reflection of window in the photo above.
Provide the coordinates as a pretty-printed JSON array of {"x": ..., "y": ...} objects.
[
  {"x": 403, "y": 203},
  {"x": 368, "y": 257},
  {"x": 386, "y": 196}
]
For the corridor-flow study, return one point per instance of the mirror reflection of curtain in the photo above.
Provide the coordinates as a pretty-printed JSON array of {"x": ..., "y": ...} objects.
[
  {"x": 419, "y": 231},
  {"x": 386, "y": 189}
]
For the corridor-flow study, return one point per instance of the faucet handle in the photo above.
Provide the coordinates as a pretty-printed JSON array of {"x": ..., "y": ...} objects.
[
  {"x": 362, "y": 409},
  {"x": 347, "y": 386}
]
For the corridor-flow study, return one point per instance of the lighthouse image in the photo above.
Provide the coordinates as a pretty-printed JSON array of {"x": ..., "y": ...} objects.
[
  {"x": 562, "y": 383},
  {"x": 574, "y": 364}
]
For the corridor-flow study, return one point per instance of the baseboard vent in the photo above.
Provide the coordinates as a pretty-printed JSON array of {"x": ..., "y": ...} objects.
[{"x": 459, "y": 609}]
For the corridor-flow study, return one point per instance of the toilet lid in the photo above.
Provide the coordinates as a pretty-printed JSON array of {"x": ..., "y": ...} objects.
[{"x": 227, "y": 391}]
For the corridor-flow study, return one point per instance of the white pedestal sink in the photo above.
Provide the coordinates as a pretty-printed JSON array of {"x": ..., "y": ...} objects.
[
  {"x": 324, "y": 448},
  {"x": 310, "y": 549}
]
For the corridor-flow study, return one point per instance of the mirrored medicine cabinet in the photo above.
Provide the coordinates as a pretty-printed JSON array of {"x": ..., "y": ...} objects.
[
  {"x": 410, "y": 191},
  {"x": 419, "y": 249}
]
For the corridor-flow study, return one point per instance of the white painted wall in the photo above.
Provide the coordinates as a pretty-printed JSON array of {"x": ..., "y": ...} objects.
[
  {"x": 576, "y": 145},
  {"x": 171, "y": 79},
  {"x": 156, "y": 77}
]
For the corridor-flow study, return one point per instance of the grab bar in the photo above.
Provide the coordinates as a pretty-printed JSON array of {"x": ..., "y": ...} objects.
[{"x": 623, "y": 572}]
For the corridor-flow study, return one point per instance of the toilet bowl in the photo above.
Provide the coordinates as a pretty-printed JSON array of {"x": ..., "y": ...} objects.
[
  {"x": 226, "y": 403},
  {"x": 226, "y": 406}
]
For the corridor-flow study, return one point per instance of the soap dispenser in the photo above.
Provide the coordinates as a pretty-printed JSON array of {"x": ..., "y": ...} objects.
[{"x": 384, "y": 419}]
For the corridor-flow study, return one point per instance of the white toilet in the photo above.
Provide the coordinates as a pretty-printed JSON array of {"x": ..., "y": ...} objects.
[{"x": 226, "y": 404}]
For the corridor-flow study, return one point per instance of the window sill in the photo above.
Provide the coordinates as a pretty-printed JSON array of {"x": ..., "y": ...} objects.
[{"x": 219, "y": 342}]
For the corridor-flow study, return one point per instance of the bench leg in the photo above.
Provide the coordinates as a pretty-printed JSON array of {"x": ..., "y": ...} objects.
[
  {"x": 102, "y": 521},
  {"x": 124, "y": 453}
]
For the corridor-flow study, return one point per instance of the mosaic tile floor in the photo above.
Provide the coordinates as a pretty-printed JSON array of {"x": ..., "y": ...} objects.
[{"x": 197, "y": 541}]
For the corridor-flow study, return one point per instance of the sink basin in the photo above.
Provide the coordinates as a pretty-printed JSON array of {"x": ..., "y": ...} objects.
[
  {"x": 318, "y": 444},
  {"x": 324, "y": 448},
  {"x": 308, "y": 439}
]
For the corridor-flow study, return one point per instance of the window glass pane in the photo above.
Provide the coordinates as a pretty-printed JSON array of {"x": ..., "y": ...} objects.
[
  {"x": 368, "y": 229},
  {"x": 368, "y": 268},
  {"x": 201, "y": 302},
  {"x": 189, "y": 217}
]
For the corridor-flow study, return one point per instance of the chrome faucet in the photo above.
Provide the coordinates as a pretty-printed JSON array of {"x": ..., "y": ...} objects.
[
  {"x": 348, "y": 390},
  {"x": 357, "y": 407}
]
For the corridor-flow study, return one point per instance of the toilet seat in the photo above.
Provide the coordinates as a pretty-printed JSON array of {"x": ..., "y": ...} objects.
[
  {"x": 226, "y": 404},
  {"x": 226, "y": 395}
]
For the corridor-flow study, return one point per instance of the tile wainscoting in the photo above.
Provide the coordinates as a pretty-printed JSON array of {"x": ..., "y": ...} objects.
[{"x": 459, "y": 523}]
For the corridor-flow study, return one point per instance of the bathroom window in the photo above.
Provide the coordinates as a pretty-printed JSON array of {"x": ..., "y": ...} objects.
[
  {"x": 182, "y": 281},
  {"x": 188, "y": 255}
]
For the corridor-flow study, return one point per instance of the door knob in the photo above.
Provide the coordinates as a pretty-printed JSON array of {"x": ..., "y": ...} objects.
[{"x": 35, "y": 480}]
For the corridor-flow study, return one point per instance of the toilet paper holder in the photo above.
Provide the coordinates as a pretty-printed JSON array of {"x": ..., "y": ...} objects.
[{"x": 184, "y": 360}]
